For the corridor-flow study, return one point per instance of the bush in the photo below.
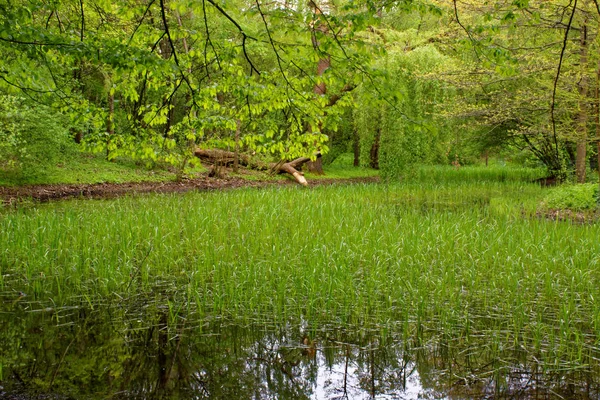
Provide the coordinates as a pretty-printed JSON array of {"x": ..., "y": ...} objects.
[
  {"x": 573, "y": 197},
  {"x": 408, "y": 127},
  {"x": 32, "y": 137}
]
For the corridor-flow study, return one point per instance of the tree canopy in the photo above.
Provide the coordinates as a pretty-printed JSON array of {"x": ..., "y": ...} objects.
[{"x": 397, "y": 81}]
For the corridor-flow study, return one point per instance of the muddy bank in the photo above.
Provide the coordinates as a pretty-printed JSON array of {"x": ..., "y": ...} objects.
[
  {"x": 43, "y": 193},
  {"x": 578, "y": 217}
]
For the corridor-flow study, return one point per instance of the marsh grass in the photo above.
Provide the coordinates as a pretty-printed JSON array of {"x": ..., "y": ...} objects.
[
  {"x": 474, "y": 174},
  {"x": 451, "y": 266}
]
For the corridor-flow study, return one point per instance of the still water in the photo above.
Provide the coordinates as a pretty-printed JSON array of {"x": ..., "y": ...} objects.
[{"x": 145, "y": 350}]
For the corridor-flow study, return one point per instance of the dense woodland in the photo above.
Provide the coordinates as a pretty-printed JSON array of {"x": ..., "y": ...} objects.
[{"x": 394, "y": 82}]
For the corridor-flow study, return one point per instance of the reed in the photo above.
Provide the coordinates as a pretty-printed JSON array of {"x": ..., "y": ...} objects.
[
  {"x": 462, "y": 261},
  {"x": 476, "y": 173}
]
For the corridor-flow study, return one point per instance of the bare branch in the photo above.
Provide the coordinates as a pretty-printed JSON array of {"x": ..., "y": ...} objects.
[
  {"x": 597, "y": 6},
  {"x": 239, "y": 27},
  {"x": 336, "y": 97},
  {"x": 272, "y": 44},
  {"x": 172, "y": 45},
  {"x": 229, "y": 17},
  {"x": 35, "y": 43},
  {"x": 82, "y": 20},
  {"x": 562, "y": 53},
  {"x": 141, "y": 20},
  {"x": 208, "y": 41},
  {"x": 252, "y": 67},
  {"x": 465, "y": 29},
  {"x": 330, "y": 28}
]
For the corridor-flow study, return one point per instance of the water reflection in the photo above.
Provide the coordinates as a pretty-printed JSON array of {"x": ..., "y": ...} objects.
[{"x": 152, "y": 352}]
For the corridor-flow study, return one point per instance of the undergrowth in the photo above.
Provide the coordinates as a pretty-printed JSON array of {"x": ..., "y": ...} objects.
[{"x": 573, "y": 197}]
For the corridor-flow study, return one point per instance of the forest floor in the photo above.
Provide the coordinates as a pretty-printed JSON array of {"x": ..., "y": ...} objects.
[{"x": 47, "y": 192}]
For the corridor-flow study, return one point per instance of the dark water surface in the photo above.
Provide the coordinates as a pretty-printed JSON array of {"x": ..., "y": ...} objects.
[{"x": 150, "y": 351}]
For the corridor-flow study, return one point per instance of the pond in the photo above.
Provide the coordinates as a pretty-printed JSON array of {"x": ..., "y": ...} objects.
[
  {"x": 125, "y": 351},
  {"x": 368, "y": 291}
]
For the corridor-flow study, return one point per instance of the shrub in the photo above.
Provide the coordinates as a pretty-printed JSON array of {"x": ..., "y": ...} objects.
[
  {"x": 573, "y": 197},
  {"x": 32, "y": 137}
]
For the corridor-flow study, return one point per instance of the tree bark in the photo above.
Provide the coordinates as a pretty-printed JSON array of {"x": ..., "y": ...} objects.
[
  {"x": 316, "y": 167},
  {"x": 290, "y": 168},
  {"x": 236, "y": 159},
  {"x": 598, "y": 121},
  {"x": 582, "y": 117},
  {"x": 224, "y": 158},
  {"x": 110, "y": 126},
  {"x": 320, "y": 89},
  {"x": 374, "y": 159},
  {"x": 356, "y": 147},
  {"x": 228, "y": 158}
]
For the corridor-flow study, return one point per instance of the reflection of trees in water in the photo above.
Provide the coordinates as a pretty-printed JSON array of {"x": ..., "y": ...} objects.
[
  {"x": 366, "y": 368},
  {"x": 169, "y": 360},
  {"x": 383, "y": 369},
  {"x": 150, "y": 355},
  {"x": 154, "y": 353},
  {"x": 463, "y": 369}
]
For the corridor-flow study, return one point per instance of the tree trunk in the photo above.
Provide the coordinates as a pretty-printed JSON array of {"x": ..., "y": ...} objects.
[
  {"x": 236, "y": 160},
  {"x": 110, "y": 126},
  {"x": 228, "y": 158},
  {"x": 356, "y": 147},
  {"x": 320, "y": 88},
  {"x": 322, "y": 66},
  {"x": 598, "y": 122},
  {"x": 223, "y": 158},
  {"x": 582, "y": 117},
  {"x": 77, "y": 135},
  {"x": 316, "y": 167},
  {"x": 188, "y": 95},
  {"x": 289, "y": 168},
  {"x": 170, "y": 114},
  {"x": 374, "y": 154}
]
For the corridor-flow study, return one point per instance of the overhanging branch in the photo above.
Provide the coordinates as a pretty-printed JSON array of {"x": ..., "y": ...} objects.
[{"x": 553, "y": 104}]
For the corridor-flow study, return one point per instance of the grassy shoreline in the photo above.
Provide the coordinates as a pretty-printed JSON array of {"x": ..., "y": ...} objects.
[
  {"x": 89, "y": 168},
  {"x": 354, "y": 251}
]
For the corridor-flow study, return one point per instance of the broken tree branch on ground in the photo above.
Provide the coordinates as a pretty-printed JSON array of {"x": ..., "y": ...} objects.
[{"x": 224, "y": 158}]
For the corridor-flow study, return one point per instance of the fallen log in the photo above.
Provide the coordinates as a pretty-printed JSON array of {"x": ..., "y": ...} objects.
[
  {"x": 291, "y": 168},
  {"x": 223, "y": 157},
  {"x": 226, "y": 158}
]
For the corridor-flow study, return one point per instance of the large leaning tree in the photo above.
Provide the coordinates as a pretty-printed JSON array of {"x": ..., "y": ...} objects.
[{"x": 161, "y": 79}]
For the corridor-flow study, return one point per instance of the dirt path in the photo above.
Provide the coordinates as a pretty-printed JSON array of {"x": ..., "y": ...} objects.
[{"x": 43, "y": 193}]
